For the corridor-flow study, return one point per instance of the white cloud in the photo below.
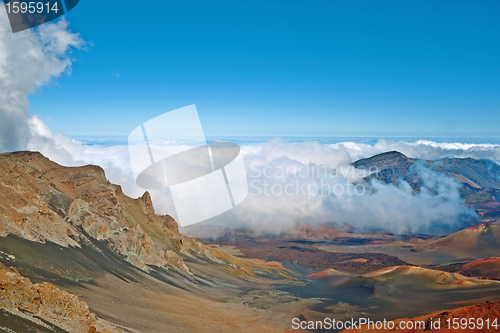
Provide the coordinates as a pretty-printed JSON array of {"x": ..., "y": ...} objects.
[
  {"x": 269, "y": 208},
  {"x": 28, "y": 60}
]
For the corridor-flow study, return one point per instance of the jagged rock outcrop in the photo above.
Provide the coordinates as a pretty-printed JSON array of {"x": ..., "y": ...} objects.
[
  {"x": 32, "y": 301},
  {"x": 43, "y": 201}
]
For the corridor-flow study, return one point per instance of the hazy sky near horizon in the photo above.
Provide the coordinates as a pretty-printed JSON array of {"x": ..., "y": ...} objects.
[{"x": 279, "y": 68}]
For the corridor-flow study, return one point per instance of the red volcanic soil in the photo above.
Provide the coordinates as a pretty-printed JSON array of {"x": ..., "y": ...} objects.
[
  {"x": 489, "y": 211},
  {"x": 358, "y": 260},
  {"x": 488, "y": 205},
  {"x": 308, "y": 254},
  {"x": 387, "y": 270},
  {"x": 326, "y": 273},
  {"x": 419, "y": 278},
  {"x": 473, "y": 264},
  {"x": 486, "y": 268},
  {"x": 486, "y": 311},
  {"x": 480, "y": 227},
  {"x": 275, "y": 264},
  {"x": 458, "y": 282}
]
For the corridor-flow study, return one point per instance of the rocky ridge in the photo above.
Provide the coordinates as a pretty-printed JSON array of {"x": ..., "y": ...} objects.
[
  {"x": 44, "y": 202},
  {"x": 44, "y": 301}
]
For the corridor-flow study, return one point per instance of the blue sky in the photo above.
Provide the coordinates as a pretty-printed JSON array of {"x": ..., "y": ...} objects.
[{"x": 283, "y": 68}]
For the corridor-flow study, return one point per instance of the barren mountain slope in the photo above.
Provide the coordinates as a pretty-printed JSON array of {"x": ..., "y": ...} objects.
[
  {"x": 73, "y": 228},
  {"x": 42, "y": 201},
  {"x": 20, "y": 297},
  {"x": 479, "y": 241},
  {"x": 483, "y": 316}
]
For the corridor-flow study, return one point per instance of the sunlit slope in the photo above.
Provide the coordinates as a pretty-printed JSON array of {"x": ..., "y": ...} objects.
[{"x": 482, "y": 240}]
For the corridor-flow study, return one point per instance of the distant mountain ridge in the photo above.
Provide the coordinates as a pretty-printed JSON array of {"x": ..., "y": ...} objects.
[
  {"x": 480, "y": 179},
  {"x": 394, "y": 165}
]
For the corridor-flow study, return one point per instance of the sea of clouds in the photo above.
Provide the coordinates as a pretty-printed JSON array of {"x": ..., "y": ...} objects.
[{"x": 32, "y": 58}]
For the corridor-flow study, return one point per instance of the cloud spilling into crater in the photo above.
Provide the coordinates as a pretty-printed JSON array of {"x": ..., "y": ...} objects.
[{"x": 312, "y": 183}]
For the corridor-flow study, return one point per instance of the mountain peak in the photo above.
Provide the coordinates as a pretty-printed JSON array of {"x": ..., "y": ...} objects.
[
  {"x": 391, "y": 166},
  {"x": 390, "y": 157},
  {"x": 393, "y": 153}
]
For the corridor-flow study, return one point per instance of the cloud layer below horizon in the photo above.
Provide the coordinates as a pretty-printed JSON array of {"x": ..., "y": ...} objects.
[
  {"x": 48, "y": 49},
  {"x": 271, "y": 165}
]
